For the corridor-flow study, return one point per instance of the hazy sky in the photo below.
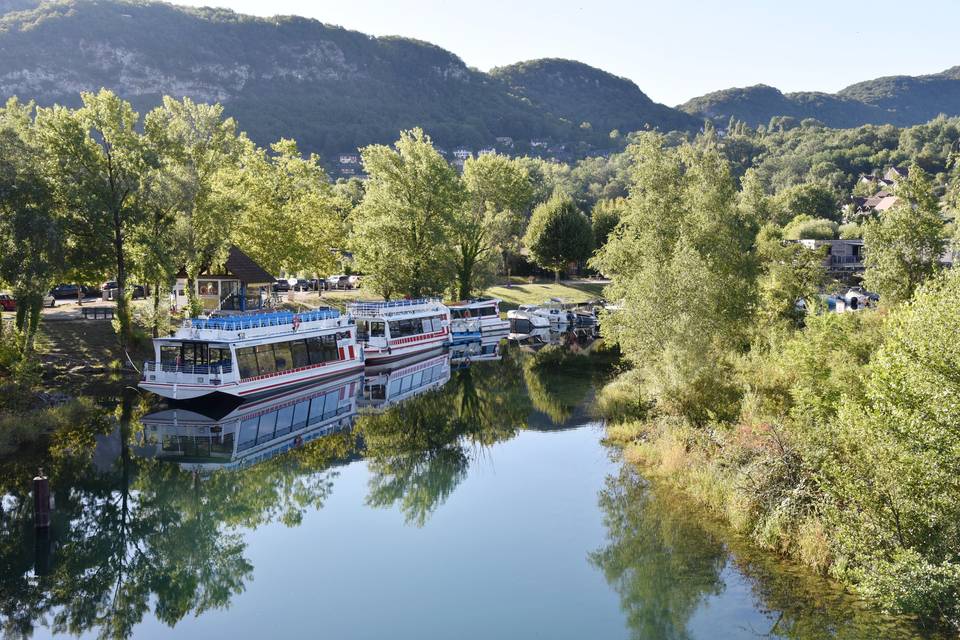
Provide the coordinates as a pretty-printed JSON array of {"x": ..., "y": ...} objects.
[{"x": 673, "y": 50}]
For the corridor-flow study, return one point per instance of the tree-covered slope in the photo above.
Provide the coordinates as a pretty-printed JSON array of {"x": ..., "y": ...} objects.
[
  {"x": 330, "y": 88},
  {"x": 899, "y": 100},
  {"x": 581, "y": 94}
]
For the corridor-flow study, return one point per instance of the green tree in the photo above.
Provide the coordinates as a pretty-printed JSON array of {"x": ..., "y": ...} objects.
[
  {"x": 558, "y": 233},
  {"x": 904, "y": 246},
  {"x": 498, "y": 190},
  {"x": 814, "y": 200},
  {"x": 203, "y": 150},
  {"x": 604, "y": 218},
  {"x": 290, "y": 221},
  {"x": 99, "y": 159},
  {"x": 403, "y": 229},
  {"x": 804, "y": 227},
  {"x": 683, "y": 269},
  {"x": 31, "y": 238},
  {"x": 789, "y": 273}
]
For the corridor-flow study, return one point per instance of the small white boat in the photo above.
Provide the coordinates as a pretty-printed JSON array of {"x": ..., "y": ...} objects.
[
  {"x": 486, "y": 310},
  {"x": 553, "y": 312},
  {"x": 389, "y": 384},
  {"x": 249, "y": 355},
  {"x": 390, "y": 331},
  {"x": 525, "y": 323}
]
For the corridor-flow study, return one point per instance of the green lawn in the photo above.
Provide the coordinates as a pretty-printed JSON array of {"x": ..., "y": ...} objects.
[
  {"x": 521, "y": 293},
  {"x": 568, "y": 291}
]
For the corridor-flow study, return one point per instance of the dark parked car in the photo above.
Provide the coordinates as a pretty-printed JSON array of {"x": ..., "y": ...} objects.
[
  {"x": 281, "y": 285},
  {"x": 66, "y": 291},
  {"x": 108, "y": 290}
]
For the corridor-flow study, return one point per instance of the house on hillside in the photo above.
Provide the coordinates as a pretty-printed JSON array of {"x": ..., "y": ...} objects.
[
  {"x": 505, "y": 142},
  {"x": 844, "y": 257},
  {"x": 895, "y": 174},
  {"x": 486, "y": 151},
  {"x": 239, "y": 284}
]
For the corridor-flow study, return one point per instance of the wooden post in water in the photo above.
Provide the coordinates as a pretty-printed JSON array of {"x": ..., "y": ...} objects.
[{"x": 41, "y": 501}]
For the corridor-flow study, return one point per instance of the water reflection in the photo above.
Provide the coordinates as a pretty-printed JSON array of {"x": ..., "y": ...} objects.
[
  {"x": 154, "y": 505},
  {"x": 680, "y": 576}
]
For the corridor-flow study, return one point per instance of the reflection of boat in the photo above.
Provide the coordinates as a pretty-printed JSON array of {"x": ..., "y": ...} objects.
[
  {"x": 485, "y": 349},
  {"x": 390, "y": 331},
  {"x": 486, "y": 310},
  {"x": 464, "y": 329},
  {"x": 253, "y": 431},
  {"x": 251, "y": 354},
  {"x": 411, "y": 376}
]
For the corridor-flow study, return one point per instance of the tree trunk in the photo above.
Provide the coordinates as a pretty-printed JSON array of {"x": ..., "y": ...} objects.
[
  {"x": 556, "y": 276},
  {"x": 156, "y": 310},
  {"x": 123, "y": 310}
]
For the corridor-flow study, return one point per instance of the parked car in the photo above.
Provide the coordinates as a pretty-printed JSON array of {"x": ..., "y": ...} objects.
[
  {"x": 9, "y": 303},
  {"x": 108, "y": 290},
  {"x": 66, "y": 291},
  {"x": 281, "y": 285},
  {"x": 354, "y": 281},
  {"x": 338, "y": 282}
]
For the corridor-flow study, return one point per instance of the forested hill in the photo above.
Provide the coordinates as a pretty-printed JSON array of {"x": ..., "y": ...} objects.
[
  {"x": 590, "y": 97},
  {"x": 898, "y": 100},
  {"x": 330, "y": 88}
]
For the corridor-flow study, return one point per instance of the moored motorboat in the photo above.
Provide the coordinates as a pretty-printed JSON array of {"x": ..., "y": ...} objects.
[
  {"x": 553, "y": 311},
  {"x": 524, "y": 322},
  {"x": 393, "y": 330},
  {"x": 486, "y": 310},
  {"x": 249, "y": 355}
]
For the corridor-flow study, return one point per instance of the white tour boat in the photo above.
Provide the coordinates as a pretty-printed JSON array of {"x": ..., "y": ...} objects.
[
  {"x": 388, "y": 385},
  {"x": 487, "y": 310},
  {"x": 252, "y": 354},
  {"x": 390, "y": 331},
  {"x": 252, "y": 431},
  {"x": 525, "y": 323}
]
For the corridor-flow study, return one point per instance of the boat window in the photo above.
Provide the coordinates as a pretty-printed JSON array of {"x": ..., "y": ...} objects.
[
  {"x": 394, "y": 329},
  {"x": 330, "y": 350},
  {"x": 300, "y": 413},
  {"x": 298, "y": 350},
  {"x": 284, "y": 420},
  {"x": 458, "y": 313},
  {"x": 248, "y": 433},
  {"x": 427, "y": 324},
  {"x": 316, "y": 410},
  {"x": 417, "y": 379},
  {"x": 330, "y": 406},
  {"x": 377, "y": 329},
  {"x": 394, "y": 387},
  {"x": 247, "y": 362},
  {"x": 265, "y": 361},
  {"x": 170, "y": 354},
  {"x": 488, "y": 311},
  {"x": 323, "y": 349},
  {"x": 268, "y": 422},
  {"x": 219, "y": 356},
  {"x": 363, "y": 330},
  {"x": 281, "y": 352},
  {"x": 405, "y": 383}
]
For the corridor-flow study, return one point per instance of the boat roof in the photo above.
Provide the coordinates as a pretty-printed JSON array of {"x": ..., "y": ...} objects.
[
  {"x": 254, "y": 325},
  {"x": 393, "y": 307},
  {"x": 475, "y": 302}
]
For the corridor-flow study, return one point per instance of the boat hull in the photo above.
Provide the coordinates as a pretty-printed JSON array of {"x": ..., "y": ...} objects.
[
  {"x": 256, "y": 388},
  {"x": 375, "y": 356}
]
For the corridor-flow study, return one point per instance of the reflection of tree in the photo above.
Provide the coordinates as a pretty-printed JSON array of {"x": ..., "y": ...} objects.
[
  {"x": 143, "y": 533},
  {"x": 664, "y": 559},
  {"x": 417, "y": 452},
  {"x": 557, "y": 381},
  {"x": 661, "y": 564}
]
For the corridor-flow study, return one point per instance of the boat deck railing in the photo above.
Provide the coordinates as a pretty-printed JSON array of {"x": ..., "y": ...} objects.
[
  {"x": 260, "y": 320},
  {"x": 374, "y": 309},
  {"x": 216, "y": 368}
]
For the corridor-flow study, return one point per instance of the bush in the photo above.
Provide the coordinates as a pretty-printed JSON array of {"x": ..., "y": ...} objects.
[{"x": 804, "y": 227}]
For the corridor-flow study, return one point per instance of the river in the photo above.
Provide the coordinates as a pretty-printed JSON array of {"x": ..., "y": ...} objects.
[{"x": 427, "y": 501}]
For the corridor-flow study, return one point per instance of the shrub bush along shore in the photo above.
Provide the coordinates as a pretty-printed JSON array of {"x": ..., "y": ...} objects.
[{"x": 837, "y": 450}]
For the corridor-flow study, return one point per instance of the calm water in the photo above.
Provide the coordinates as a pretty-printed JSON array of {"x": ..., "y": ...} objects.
[{"x": 413, "y": 503}]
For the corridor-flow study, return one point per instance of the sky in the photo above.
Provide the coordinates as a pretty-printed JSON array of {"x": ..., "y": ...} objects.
[{"x": 672, "y": 49}]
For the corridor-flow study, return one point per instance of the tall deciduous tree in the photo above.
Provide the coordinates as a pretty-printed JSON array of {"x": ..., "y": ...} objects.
[
  {"x": 683, "y": 269},
  {"x": 99, "y": 157},
  {"x": 558, "y": 234},
  {"x": 903, "y": 247},
  {"x": 203, "y": 150},
  {"x": 290, "y": 219},
  {"x": 31, "y": 239},
  {"x": 498, "y": 190},
  {"x": 604, "y": 217},
  {"x": 403, "y": 229}
]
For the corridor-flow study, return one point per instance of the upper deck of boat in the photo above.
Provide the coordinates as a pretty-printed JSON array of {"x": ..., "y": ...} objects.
[
  {"x": 396, "y": 309},
  {"x": 254, "y": 325}
]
